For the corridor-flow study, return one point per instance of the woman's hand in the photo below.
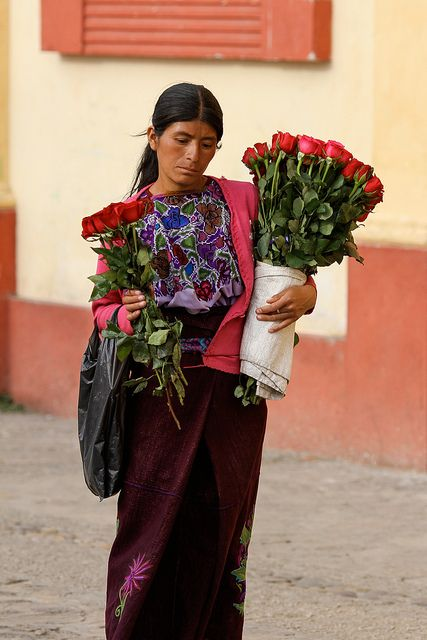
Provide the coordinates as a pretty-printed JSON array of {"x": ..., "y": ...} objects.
[
  {"x": 287, "y": 306},
  {"x": 134, "y": 301}
]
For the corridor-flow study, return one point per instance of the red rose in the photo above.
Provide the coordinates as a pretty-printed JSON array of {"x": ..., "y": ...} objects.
[
  {"x": 88, "y": 228},
  {"x": 129, "y": 212},
  {"x": 337, "y": 151},
  {"x": 107, "y": 218},
  {"x": 262, "y": 149},
  {"x": 310, "y": 146},
  {"x": 284, "y": 141},
  {"x": 363, "y": 217},
  {"x": 333, "y": 149},
  {"x": 374, "y": 186},
  {"x": 250, "y": 157},
  {"x": 363, "y": 173},
  {"x": 204, "y": 290},
  {"x": 110, "y": 215},
  {"x": 349, "y": 171}
]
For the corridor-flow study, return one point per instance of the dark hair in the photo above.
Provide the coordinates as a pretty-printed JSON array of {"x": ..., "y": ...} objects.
[{"x": 179, "y": 103}]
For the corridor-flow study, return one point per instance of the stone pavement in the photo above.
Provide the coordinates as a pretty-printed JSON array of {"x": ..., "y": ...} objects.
[{"x": 339, "y": 551}]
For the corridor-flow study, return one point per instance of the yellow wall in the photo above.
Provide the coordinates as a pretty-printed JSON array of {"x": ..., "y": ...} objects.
[
  {"x": 5, "y": 195},
  {"x": 72, "y": 151},
  {"x": 399, "y": 118}
]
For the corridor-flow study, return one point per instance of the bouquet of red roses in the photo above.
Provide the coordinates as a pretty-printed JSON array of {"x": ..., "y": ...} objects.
[
  {"x": 312, "y": 196},
  {"x": 155, "y": 341}
]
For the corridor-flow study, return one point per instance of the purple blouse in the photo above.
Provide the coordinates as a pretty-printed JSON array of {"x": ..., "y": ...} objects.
[{"x": 194, "y": 256}]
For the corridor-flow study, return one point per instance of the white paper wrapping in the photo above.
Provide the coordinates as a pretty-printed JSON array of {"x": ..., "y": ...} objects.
[{"x": 267, "y": 357}]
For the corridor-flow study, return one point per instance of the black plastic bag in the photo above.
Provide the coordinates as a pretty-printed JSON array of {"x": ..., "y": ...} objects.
[{"x": 101, "y": 414}]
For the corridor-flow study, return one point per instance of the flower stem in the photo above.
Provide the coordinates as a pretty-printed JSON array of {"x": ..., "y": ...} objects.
[
  {"x": 169, "y": 401},
  {"x": 261, "y": 201},
  {"x": 275, "y": 181}
]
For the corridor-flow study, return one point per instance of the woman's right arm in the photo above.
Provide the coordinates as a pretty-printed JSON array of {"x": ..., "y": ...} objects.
[{"x": 129, "y": 303}]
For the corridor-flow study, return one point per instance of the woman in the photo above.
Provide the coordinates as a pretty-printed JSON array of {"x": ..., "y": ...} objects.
[{"x": 185, "y": 513}]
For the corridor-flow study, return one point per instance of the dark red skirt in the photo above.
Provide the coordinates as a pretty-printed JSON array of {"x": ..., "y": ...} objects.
[{"x": 177, "y": 568}]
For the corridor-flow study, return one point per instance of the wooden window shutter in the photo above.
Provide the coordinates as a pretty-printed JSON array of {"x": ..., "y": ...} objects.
[{"x": 293, "y": 30}]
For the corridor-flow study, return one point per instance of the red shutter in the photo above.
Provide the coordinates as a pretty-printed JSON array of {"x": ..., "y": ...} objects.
[{"x": 219, "y": 29}]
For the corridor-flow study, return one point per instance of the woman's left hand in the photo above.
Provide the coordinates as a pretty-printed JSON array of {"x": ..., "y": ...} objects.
[{"x": 287, "y": 306}]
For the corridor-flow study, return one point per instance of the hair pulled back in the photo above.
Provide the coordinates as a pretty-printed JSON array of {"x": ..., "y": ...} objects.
[{"x": 180, "y": 103}]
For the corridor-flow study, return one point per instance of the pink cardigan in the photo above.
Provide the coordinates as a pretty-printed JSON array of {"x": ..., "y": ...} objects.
[{"x": 223, "y": 351}]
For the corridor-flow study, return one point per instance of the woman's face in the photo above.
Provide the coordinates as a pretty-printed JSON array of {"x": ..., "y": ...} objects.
[{"x": 184, "y": 151}]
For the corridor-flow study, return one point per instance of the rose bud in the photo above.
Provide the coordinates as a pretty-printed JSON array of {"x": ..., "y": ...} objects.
[
  {"x": 262, "y": 149},
  {"x": 88, "y": 228},
  {"x": 373, "y": 185},
  {"x": 130, "y": 212},
  {"x": 333, "y": 149},
  {"x": 310, "y": 146},
  {"x": 363, "y": 173},
  {"x": 250, "y": 157},
  {"x": 283, "y": 141},
  {"x": 363, "y": 217},
  {"x": 349, "y": 171},
  {"x": 110, "y": 215}
]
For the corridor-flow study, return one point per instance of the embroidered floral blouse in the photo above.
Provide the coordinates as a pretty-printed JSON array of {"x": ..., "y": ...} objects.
[{"x": 194, "y": 256}]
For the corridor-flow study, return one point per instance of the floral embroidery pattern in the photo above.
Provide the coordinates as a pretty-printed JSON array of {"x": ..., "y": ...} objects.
[
  {"x": 194, "y": 256},
  {"x": 240, "y": 573},
  {"x": 212, "y": 214},
  {"x": 194, "y": 345},
  {"x": 137, "y": 574}
]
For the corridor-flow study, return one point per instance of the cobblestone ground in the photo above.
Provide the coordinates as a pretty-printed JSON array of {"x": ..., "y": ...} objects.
[{"x": 338, "y": 552}]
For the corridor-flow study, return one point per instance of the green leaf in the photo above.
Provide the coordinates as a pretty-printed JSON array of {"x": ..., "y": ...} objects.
[
  {"x": 141, "y": 352},
  {"x": 309, "y": 195},
  {"x": 157, "y": 363},
  {"x": 176, "y": 356},
  {"x": 297, "y": 207},
  {"x": 97, "y": 279},
  {"x": 263, "y": 244},
  {"x": 326, "y": 228},
  {"x": 296, "y": 339},
  {"x": 160, "y": 242},
  {"x": 158, "y": 337},
  {"x": 188, "y": 208},
  {"x": 124, "y": 347},
  {"x": 203, "y": 273},
  {"x": 160, "y": 206},
  {"x": 179, "y": 387},
  {"x": 240, "y": 573},
  {"x": 294, "y": 261},
  {"x": 239, "y": 391},
  {"x": 159, "y": 323},
  {"x": 148, "y": 275},
  {"x": 143, "y": 256},
  {"x": 270, "y": 171},
  {"x": 100, "y": 291},
  {"x": 291, "y": 167},
  {"x": 141, "y": 386},
  {"x": 110, "y": 275},
  {"x": 293, "y": 226},
  {"x": 165, "y": 350},
  {"x": 324, "y": 211},
  {"x": 111, "y": 333},
  {"x": 322, "y": 243},
  {"x": 189, "y": 242},
  {"x": 262, "y": 183},
  {"x": 348, "y": 212},
  {"x": 280, "y": 242},
  {"x": 246, "y": 536},
  {"x": 338, "y": 183}
]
